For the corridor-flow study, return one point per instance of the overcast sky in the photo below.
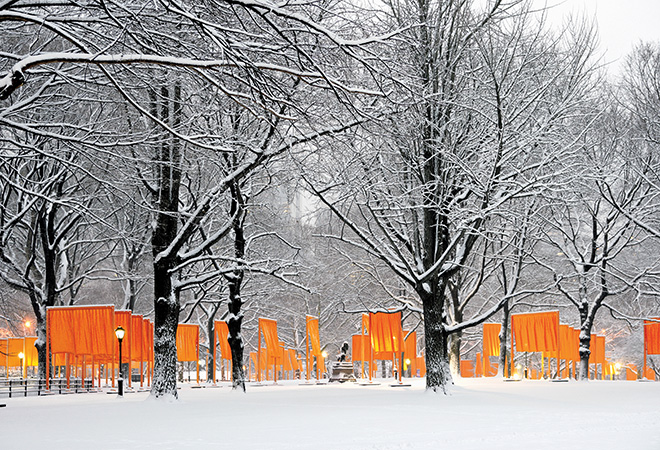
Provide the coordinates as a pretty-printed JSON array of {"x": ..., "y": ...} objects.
[{"x": 621, "y": 23}]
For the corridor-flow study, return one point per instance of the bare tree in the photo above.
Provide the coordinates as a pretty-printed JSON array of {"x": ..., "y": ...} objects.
[{"x": 480, "y": 100}]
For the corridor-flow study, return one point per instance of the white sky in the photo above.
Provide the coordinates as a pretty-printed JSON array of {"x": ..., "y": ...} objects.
[{"x": 621, "y": 23}]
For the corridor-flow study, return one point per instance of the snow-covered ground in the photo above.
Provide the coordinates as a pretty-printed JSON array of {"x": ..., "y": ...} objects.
[{"x": 480, "y": 414}]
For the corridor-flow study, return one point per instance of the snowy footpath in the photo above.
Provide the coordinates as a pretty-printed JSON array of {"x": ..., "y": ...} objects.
[{"x": 479, "y": 414}]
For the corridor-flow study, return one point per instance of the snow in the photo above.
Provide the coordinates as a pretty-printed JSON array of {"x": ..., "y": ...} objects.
[{"x": 480, "y": 413}]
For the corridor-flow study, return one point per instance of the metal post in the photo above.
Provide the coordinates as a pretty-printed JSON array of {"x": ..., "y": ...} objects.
[{"x": 120, "y": 380}]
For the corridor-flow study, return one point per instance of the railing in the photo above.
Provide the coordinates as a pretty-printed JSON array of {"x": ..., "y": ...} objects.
[{"x": 22, "y": 387}]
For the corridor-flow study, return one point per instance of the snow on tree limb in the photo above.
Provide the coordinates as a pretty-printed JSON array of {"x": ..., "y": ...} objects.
[{"x": 16, "y": 76}]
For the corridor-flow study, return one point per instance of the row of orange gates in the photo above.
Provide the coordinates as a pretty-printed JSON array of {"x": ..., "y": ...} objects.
[
  {"x": 82, "y": 343},
  {"x": 541, "y": 332}
]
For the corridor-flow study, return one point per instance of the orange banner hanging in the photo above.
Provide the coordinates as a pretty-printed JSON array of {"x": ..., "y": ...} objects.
[
  {"x": 31, "y": 353},
  {"x": 386, "y": 332},
  {"x": 536, "y": 332},
  {"x": 187, "y": 342},
  {"x": 269, "y": 329},
  {"x": 137, "y": 338},
  {"x": 82, "y": 330},
  {"x": 467, "y": 368},
  {"x": 313, "y": 335},
  {"x": 652, "y": 337},
  {"x": 222, "y": 335},
  {"x": 15, "y": 347},
  {"x": 597, "y": 347},
  {"x": 491, "y": 342}
]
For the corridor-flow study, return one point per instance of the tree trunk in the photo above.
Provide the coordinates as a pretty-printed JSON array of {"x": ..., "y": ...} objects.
[
  {"x": 166, "y": 301},
  {"x": 438, "y": 374},
  {"x": 235, "y": 280},
  {"x": 235, "y": 338},
  {"x": 210, "y": 366},
  {"x": 455, "y": 353},
  {"x": 585, "y": 352},
  {"x": 586, "y": 321},
  {"x": 505, "y": 351},
  {"x": 165, "y": 325}
]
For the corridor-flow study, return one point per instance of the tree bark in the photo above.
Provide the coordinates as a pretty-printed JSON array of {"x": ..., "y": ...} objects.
[
  {"x": 438, "y": 373},
  {"x": 235, "y": 280},
  {"x": 166, "y": 301},
  {"x": 505, "y": 351}
]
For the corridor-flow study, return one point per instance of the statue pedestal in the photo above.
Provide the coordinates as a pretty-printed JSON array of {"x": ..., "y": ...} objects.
[{"x": 342, "y": 371}]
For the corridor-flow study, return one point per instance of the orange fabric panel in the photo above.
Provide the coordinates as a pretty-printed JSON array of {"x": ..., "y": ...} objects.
[
  {"x": 650, "y": 374},
  {"x": 313, "y": 335},
  {"x": 293, "y": 357},
  {"x": 31, "y": 353},
  {"x": 281, "y": 352},
  {"x": 123, "y": 319},
  {"x": 386, "y": 333},
  {"x": 569, "y": 345},
  {"x": 467, "y": 368},
  {"x": 421, "y": 365},
  {"x": 536, "y": 332},
  {"x": 490, "y": 369},
  {"x": 597, "y": 347},
  {"x": 148, "y": 339},
  {"x": 652, "y": 337},
  {"x": 82, "y": 330},
  {"x": 356, "y": 347},
  {"x": 253, "y": 358},
  {"x": 491, "y": 340},
  {"x": 14, "y": 347},
  {"x": 286, "y": 360},
  {"x": 631, "y": 372},
  {"x": 410, "y": 350},
  {"x": 478, "y": 367},
  {"x": 137, "y": 336},
  {"x": 575, "y": 345},
  {"x": 269, "y": 329},
  {"x": 222, "y": 335},
  {"x": 4, "y": 350},
  {"x": 62, "y": 336},
  {"x": 187, "y": 342},
  {"x": 381, "y": 356},
  {"x": 410, "y": 346}
]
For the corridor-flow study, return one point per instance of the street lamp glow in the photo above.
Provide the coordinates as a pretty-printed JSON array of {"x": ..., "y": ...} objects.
[
  {"x": 28, "y": 324},
  {"x": 324, "y": 354},
  {"x": 120, "y": 332},
  {"x": 21, "y": 355}
]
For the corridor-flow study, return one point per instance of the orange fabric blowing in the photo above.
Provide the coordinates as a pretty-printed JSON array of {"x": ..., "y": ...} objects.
[
  {"x": 536, "y": 332},
  {"x": 222, "y": 335},
  {"x": 187, "y": 342},
  {"x": 386, "y": 333},
  {"x": 269, "y": 329},
  {"x": 136, "y": 339},
  {"x": 652, "y": 337},
  {"x": 491, "y": 342},
  {"x": 82, "y": 330},
  {"x": 314, "y": 337},
  {"x": 467, "y": 368}
]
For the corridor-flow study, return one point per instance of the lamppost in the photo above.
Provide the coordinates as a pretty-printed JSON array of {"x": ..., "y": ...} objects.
[
  {"x": 119, "y": 332},
  {"x": 21, "y": 358}
]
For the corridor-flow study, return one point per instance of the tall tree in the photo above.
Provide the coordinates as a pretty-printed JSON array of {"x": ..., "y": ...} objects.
[{"x": 480, "y": 99}]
